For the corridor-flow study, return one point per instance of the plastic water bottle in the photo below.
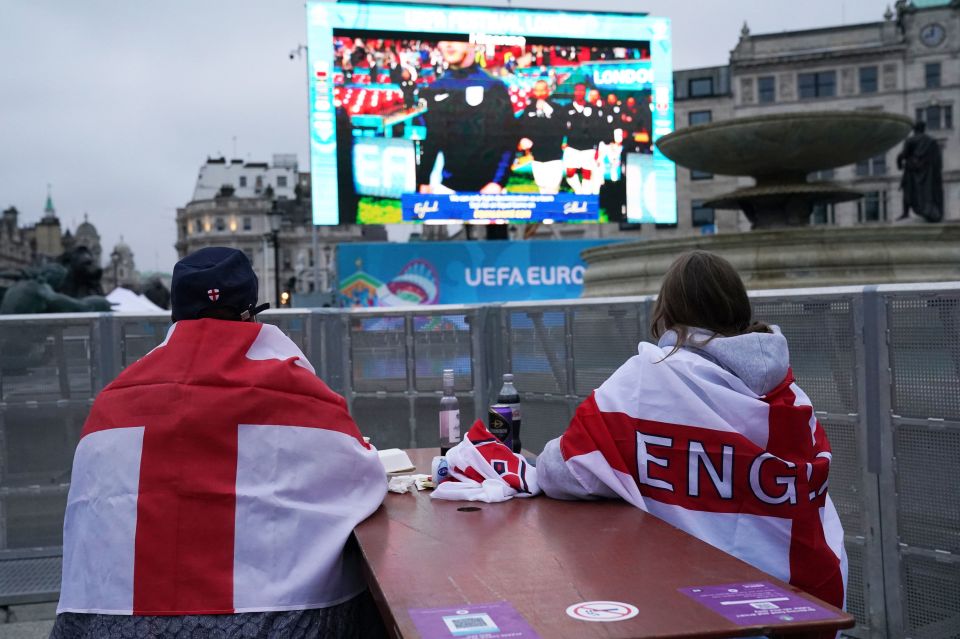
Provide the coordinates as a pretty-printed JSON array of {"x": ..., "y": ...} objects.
[
  {"x": 449, "y": 414},
  {"x": 505, "y": 415}
]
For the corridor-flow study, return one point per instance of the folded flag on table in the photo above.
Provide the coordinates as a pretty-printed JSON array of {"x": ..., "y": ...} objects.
[{"x": 481, "y": 468}]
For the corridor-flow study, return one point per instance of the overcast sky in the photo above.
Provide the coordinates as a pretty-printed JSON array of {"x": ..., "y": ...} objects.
[{"x": 117, "y": 104}]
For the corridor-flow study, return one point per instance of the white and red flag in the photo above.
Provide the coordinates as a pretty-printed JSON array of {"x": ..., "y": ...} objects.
[
  {"x": 688, "y": 441},
  {"x": 216, "y": 475},
  {"x": 482, "y": 468}
]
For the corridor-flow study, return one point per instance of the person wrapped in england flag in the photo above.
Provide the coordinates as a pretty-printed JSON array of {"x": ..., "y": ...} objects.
[
  {"x": 216, "y": 483},
  {"x": 708, "y": 431}
]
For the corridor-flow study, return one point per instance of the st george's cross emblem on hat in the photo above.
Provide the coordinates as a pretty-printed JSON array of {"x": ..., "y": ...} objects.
[{"x": 213, "y": 294}]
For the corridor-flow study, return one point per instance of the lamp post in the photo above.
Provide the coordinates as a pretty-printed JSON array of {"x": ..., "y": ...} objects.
[
  {"x": 328, "y": 283},
  {"x": 115, "y": 259},
  {"x": 275, "y": 217}
]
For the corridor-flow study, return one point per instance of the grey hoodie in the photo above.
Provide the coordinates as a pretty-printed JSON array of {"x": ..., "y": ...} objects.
[{"x": 759, "y": 360}]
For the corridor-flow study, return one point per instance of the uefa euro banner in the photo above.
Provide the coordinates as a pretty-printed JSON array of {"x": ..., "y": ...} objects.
[
  {"x": 460, "y": 272},
  {"x": 424, "y": 113}
]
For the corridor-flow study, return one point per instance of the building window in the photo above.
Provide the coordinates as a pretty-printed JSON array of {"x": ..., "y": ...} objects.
[
  {"x": 872, "y": 207},
  {"x": 695, "y": 118},
  {"x": 823, "y": 175},
  {"x": 822, "y": 84},
  {"x": 699, "y": 117},
  {"x": 876, "y": 165},
  {"x": 281, "y": 181},
  {"x": 767, "y": 89},
  {"x": 823, "y": 214},
  {"x": 243, "y": 180},
  {"x": 247, "y": 224},
  {"x": 700, "y": 87},
  {"x": 936, "y": 116},
  {"x": 702, "y": 215},
  {"x": 199, "y": 226},
  {"x": 220, "y": 225},
  {"x": 931, "y": 74},
  {"x": 868, "y": 79},
  {"x": 258, "y": 185}
]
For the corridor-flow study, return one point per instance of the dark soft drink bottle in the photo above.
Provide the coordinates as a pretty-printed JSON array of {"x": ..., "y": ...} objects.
[{"x": 510, "y": 397}]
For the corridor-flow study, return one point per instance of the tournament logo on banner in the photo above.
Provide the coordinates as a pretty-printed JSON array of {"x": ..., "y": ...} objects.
[{"x": 460, "y": 272}]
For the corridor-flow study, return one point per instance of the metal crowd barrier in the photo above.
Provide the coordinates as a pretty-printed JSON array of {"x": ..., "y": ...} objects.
[{"x": 881, "y": 365}]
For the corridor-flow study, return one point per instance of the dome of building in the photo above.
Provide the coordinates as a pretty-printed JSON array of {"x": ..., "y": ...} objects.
[
  {"x": 123, "y": 249},
  {"x": 87, "y": 235}
]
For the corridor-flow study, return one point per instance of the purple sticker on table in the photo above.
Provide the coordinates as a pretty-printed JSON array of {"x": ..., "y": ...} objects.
[
  {"x": 757, "y": 603},
  {"x": 475, "y": 621}
]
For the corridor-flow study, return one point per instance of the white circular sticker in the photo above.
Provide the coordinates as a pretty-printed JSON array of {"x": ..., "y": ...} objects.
[{"x": 602, "y": 611}]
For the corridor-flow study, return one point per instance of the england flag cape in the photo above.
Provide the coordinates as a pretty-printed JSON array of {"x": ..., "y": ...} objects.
[
  {"x": 216, "y": 475},
  {"x": 688, "y": 441}
]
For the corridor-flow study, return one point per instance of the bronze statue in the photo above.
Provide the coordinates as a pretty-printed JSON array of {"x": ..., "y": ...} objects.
[
  {"x": 37, "y": 292},
  {"x": 83, "y": 273},
  {"x": 922, "y": 181},
  {"x": 156, "y": 292}
]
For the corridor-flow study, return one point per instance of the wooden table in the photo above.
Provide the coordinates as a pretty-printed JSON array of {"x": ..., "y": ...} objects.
[{"x": 543, "y": 555}]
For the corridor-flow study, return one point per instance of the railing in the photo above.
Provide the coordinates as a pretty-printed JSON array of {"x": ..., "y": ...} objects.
[{"x": 881, "y": 364}]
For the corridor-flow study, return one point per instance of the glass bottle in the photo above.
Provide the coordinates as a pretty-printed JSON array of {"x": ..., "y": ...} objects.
[{"x": 449, "y": 414}]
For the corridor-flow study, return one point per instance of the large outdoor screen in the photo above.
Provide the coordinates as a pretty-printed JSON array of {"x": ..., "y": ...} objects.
[{"x": 438, "y": 114}]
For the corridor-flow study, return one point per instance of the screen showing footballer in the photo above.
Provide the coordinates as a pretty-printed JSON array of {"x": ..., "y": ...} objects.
[{"x": 460, "y": 114}]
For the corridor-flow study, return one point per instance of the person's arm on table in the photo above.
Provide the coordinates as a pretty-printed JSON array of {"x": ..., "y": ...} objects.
[
  {"x": 585, "y": 462},
  {"x": 555, "y": 477}
]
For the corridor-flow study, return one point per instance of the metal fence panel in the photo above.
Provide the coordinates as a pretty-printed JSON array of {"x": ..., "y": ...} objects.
[
  {"x": 47, "y": 361},
  {"x": 139, "y": 336},
  {"x": 922, "y": 524},
  {"x": 931, "y": 593},
  {"x": 385, "y": 420},
  {"x": 928, "y": 490},
  {"x": 882, "y": 369},
  {"x": 825, "y": 337},
  {"x": 378, "y": 353},
  {"x": 538, "y": 350},
  {"x": 603, "y": 339},
  {"x": 30, "y": 577},
  {"x": 925, "y": 356},
  {"x": 820, "y": 333},
  {"x": 439, "y": 342}
]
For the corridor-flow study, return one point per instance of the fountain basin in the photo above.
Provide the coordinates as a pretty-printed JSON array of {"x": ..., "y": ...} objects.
[{"x": 782, "y": 144}]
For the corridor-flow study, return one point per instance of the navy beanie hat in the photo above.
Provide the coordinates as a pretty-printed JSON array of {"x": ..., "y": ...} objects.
[{"x": 214, "y": 278}]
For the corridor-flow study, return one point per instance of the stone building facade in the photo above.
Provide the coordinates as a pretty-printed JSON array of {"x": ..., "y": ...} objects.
[
  {"x": 121, "y": 269},
  {"x": 907, "y": 63},
  {"x": 16, "y": 248},
  {"x": 232, "y": 206},
  {"x": 21, "y": 246}
]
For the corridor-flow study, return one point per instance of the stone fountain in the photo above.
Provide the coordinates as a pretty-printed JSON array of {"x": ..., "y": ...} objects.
[{"x": 779, "y": 151}]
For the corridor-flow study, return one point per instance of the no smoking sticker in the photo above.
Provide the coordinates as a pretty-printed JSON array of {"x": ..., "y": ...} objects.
[{"x": 602, "y": 611}]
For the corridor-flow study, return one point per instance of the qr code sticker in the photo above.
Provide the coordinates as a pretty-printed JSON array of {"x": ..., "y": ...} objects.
[
  {"x": 764, "y": 605},
  {"x": 470, "y": 624}
]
